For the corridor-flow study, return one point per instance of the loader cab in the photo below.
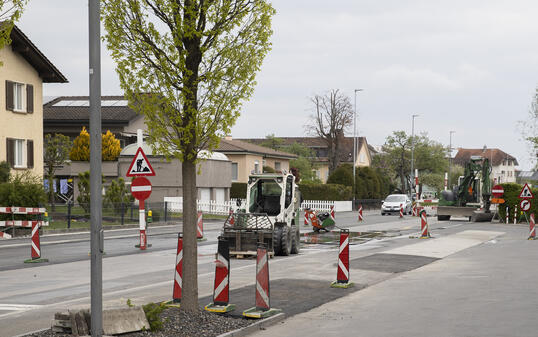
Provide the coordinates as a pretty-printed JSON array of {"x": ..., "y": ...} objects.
[{"x": 270, "y": 193}]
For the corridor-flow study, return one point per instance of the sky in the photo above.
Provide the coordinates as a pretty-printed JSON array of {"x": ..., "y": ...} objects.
[{"x": 464, "y": 66}]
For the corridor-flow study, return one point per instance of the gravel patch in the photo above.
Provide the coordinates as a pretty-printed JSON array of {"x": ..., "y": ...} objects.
[{"x": 181, "y": 324}]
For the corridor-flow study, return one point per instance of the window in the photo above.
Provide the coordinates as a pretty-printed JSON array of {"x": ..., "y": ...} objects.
[
  {"x": 20, "y": 153},
  {"x": 362, "y": 158},
  {"x": 277, "y": 166},
  {"x": 256, "y": 167},
  {"x": 19, "y": 97},
  {"x": 234, "y": 171}
]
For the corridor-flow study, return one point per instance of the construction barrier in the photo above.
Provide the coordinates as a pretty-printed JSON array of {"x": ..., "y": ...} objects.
[
  {"x": 178, "y": 274},
  {"x": 424, "y": 228},
  {"x": 342, "y": 274},
  {"x": 306, "y": 217},
  {"x": 221, "y": 288},
  {"x": 360, "y": 213},
  {"x": 415, "y": 213},
  {"x": 200, "y": 226},
  {"x": 507, "y": 209},
  {"x": 401, "y": 211},
  {"x": 231, "y": 220},
  {"x": 263, "y": 307},
  {"x": 35, "y": 251},
  {"x": 332, "y": 213},
  {"x": 532, "y": 228}
]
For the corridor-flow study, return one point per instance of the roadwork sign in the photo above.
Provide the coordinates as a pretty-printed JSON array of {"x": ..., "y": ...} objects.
[
  {"x": 525, "y": 205},
  {"x": 526, "y": 193},
  {"x": 140, "y": 165}
]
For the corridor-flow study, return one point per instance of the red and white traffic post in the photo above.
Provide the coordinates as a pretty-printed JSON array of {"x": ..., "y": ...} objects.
[
  {"x": 401, "y": 210},
  {"x": 306, "y": 217},
  {"x": 141, "y": 188},
  {"x": 178, "y": 274},
  {"x": 446, "y": 181},
  {"x": 515, "y": 214},
  {"x": 221, "y": 289},
  {"x": 263, "y": 307},
  {"x": 332, "y": 213},
  {"x": 200, "y": 226},
  {"x": 424, "y": 228},
  {"x": 532, "y": 227},
  {"x": 360, "y": 213},
  {"x": 416, "y": 185},
  {"x": 342, "y": 273}
]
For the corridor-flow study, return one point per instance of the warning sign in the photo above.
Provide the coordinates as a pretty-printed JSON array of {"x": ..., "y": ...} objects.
[
  {"x": 526, "y": 193},
  {"x": 140, "y": 165}
]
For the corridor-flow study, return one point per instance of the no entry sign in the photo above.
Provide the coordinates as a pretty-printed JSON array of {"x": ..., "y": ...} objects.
[
  {"x": 141, "y": 188},
  {"x": 497, "y": 191}
]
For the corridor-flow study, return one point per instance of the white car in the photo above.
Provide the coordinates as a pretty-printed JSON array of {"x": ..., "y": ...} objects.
[{"x": 392, "y": 203}]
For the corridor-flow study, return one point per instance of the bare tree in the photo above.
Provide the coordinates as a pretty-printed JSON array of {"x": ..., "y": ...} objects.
[{"x": 333, "y": 114}]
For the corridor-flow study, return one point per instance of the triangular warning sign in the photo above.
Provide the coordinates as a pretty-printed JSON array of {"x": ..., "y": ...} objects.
[
  {"x": 140, "y": 165},
  {"x": 526, "y": 193}
]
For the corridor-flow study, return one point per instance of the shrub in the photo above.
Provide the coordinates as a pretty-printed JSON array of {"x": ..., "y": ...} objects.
[
  {"x": 81, "y": 146},
  {"x": 23, "y": 190},
  {"x": 343, "y": 175},
  {"x": 110, "y": 146},
  {"x": 238, "y": 190},
  {"x": 268, "y": 169},
  {"x": 153, "y": 314},
  {"x": 4, "y": 172},
  {"x": 117, "y": 194},
  {"x": 314, "y": 191},
  {"x": 84, "y": 190}
]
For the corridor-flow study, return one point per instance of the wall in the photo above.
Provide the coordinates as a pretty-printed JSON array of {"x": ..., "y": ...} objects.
[
  {"x": 284, "y": 163},
  {"x": 245, "y": 165},
  {"x": 21, "y": 125},
  {"x": 322, "y": 171}
]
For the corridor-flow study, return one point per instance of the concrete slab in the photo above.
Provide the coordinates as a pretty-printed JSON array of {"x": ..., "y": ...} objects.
[
  {"x": 447, "y": 245},
  {"x": 391, "y": 263}
]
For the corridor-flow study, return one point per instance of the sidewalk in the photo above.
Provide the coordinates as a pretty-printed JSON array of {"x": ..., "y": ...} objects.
[{"x": 486, "y": 290}]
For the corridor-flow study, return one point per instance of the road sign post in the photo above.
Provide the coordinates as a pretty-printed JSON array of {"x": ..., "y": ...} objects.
[{"x": 141, "y": 190}]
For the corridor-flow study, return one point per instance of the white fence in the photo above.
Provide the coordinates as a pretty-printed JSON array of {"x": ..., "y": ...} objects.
[{"x": 175, "y": 204}]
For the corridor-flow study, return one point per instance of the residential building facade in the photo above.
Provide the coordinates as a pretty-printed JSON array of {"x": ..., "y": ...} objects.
[
  {"x": 22, "y": 75},
  {"x": 503, "y": 165}
]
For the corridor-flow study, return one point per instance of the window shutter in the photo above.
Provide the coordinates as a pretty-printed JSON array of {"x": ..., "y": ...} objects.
[
  {"x": 9, "y": 95},
  {"x": 29, "y": 98},
  {"x": 30, "y": 153},
  {"x": 10, "y": 151}
]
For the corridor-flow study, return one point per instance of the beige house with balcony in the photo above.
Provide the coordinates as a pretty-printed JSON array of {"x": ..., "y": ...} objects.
[
  {"x": 249, "y": 158},
  {"x": 503, "y": 165},
  {"x": 22, "y": 75}
]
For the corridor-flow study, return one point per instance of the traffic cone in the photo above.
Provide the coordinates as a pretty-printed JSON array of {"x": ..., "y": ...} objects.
[
  {"x": 360, "y": 212},
  {"x": 532, "y": 228},
  {"x": 178, "y": 275},
  {"x": 36, "y": 249},
  {"x": 342, "y": 274},
  {"x": 424, "y": 228},
  {"x": 200, "y": 226},
  {"x": 263, "y": 307},
  {"x": 401, "y": 211},
  {"x": 221, "y": 289}
]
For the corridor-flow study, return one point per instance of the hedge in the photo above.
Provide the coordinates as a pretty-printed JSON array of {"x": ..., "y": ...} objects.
[
  {"x": 336, "y": 192},
  {"x": 238, "y": 191},
  {"x": 511, "y": 193}
]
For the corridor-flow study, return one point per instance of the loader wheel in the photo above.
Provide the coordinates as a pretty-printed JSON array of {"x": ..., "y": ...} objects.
[
  {"x": 277, "y": 233},
  {"x": 285, "y": 241},
  {"x": 295, "y": 240}
]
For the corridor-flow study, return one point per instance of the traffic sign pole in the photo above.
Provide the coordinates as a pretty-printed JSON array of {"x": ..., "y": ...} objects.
[
  {"x": 141, "y": 190},
  {"x": 142, "y": 219}
]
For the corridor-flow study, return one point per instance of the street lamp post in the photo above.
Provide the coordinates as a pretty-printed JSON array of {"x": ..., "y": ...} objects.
[
  {"x": 450, "y": 158},
  {"x": 412, "y": 150},
  {"x": 355, "y": 142}
]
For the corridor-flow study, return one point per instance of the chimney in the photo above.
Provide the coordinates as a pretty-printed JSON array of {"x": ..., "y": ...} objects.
[{"x": 228, "y": 137}]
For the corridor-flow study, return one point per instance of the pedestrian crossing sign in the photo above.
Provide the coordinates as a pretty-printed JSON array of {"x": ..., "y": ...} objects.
[
  {"x": 526, "y": 193},
  {"x": 140, "y": 165}
]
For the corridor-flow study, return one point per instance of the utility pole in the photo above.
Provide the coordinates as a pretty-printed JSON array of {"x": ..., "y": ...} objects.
[
  {"x": 96, "y": 237},
  {"x": 412, "y": 152},
  {"x": 355, "y": 143},
  {"x": 450, "y": 159}
]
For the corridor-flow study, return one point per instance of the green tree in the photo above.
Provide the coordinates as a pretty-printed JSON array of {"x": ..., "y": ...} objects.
[
  {"x": 189, "y": 65},
  {"x": 4, "y": 171},
  {"x": 529, "y": 128},
  {"x": 343, "y": 175},
  {"x": 110, "y": 146},
  {"x": 55, "y": 153},
  {"x": 84, "y": 190},
  {"x": 117, "y": 195},
  {"x": 10, "y": 13},
  {"x": 303, "y": 163},
  {"x": 272, "y": 142}
]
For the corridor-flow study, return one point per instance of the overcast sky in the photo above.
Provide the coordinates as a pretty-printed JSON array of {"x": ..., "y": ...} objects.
[{"x": 466, "y": 66}]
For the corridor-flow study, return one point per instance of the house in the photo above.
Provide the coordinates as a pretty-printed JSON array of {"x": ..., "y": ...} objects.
[
  {"x": 68, "y": 114},
  {"x": 527, "y": 177},
  {"x": 213, "y": 182},
  {"x": 22, "y": 75},
  {"x": 503, "y": 165},
  {"x": 320, "y": 150},
  {"x": 247, "y": 157}
]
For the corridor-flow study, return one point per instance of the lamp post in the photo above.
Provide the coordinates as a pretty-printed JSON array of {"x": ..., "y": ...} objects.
[
  {"x": 450, "y": 158},
  {"x": 412, "y": 150},
  {"x": 355, "y": 141}
]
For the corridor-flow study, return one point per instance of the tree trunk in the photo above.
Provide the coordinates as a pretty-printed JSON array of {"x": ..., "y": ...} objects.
[{"x": 189, "y": 301}]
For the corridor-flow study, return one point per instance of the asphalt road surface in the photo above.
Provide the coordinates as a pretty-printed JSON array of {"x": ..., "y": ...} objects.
[{"x": 31, "y": 293}]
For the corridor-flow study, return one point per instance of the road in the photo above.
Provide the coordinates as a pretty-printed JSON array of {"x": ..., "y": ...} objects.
[{"x": 30, "y": 294}]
